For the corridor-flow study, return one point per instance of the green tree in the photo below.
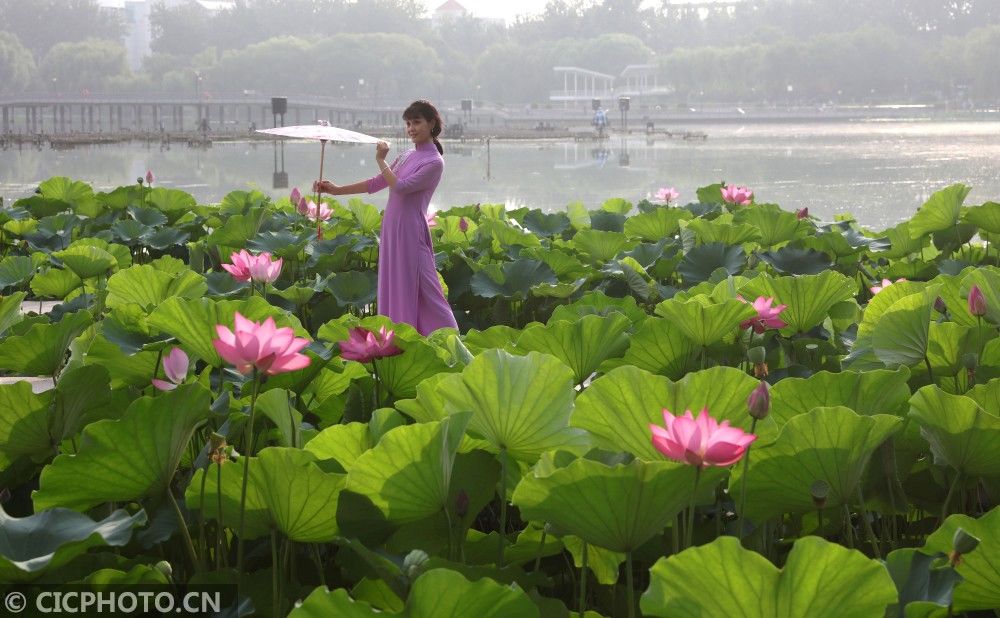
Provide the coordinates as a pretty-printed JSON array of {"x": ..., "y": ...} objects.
[
  {"x": 91, "y": 64},
  {"x": 17, "y": 66},
  {"x": 42, "y": 24}
]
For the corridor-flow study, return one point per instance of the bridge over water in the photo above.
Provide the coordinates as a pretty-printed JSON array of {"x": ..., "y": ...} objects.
[{"x": 104, "y": 112}]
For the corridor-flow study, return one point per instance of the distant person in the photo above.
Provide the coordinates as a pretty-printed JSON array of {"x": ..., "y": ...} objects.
[
  {"x": 600, "y": 121},
  {"x": 408, "y": 286}
]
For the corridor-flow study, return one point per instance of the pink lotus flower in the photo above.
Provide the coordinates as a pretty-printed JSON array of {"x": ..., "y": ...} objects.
[
  {"x": 885, "y": 283},
  {"x": 264, "y": 270},
  {"x": 701, "y": 441},
  {"x": 767, "y": 316},
  {"x": 149, "y": 177},
  {"x": 295, "y": 197},
  {"x": 759, "y": 401},
  {"x": 667, "y": 194},
  {"x": 258, "y": 268},
  {"x": 365, "y": 346},
  {"x": 802, "y": 214},
  {"x": 431, "y": 218},
  {"x": 737, "y": 194},
  {"x": 308, "y": 208},
  {"x": 260, "y": 345},
  {"x": 175, "y": 367},
  {"x": 977, "y": 302},
  {"x": 463, "y": 225}
]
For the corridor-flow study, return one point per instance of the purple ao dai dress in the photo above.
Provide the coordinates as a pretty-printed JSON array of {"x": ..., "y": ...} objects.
[{"x": 408, "y": 286}]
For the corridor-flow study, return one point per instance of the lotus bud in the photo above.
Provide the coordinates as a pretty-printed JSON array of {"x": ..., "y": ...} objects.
[
  {"x": 140, "y": 180},
  {"x": 295, "y": 196},
  {"x": 962, "y": 543},
  {"x": 977, "y": 302},
  {"x": 463, "y": 225},
  {"x": 819, "y": 490},
  {"x": 757, "y": 354},
  {"x": 149, "y": 177},
  {"x": 940, "y": 306},
  {"x": 759, "y": 401},
  {"x": 414, "y": 563},
  {"x": 461, "y": 503},
  {"x": 164, "y": 567},
  {"x": 970, "y": 360},
  {"x": 802, "y": 214}
]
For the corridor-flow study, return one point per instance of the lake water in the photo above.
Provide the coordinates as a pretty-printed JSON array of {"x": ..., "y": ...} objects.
[{"x": 879, "y": 171}]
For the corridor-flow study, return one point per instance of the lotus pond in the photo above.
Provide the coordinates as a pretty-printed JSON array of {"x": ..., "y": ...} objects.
[{"x": 841, "y": 458}]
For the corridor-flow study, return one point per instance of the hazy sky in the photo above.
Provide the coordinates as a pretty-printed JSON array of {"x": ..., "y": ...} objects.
[{"x": 507, "y": 9}]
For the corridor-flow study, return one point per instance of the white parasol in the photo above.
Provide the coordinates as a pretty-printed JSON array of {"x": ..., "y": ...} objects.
[{"x": 324, "y": 133}]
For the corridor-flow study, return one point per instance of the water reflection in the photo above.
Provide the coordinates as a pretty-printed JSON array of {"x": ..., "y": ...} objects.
[{"x": 879, "y": 173}]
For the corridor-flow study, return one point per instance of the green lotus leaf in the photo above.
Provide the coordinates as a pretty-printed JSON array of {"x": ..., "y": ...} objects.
[
  {"x": 980, "y": 570},
  {"x": 515, "y": 281},
  {"x": 148, "y": 286},
  {"x": 126, "y": 459},
  {"x": 165, "y": 238},
  {"x": 282, "y": 243},
  {"x": 79, "y": 195},
  {"x": 985, "y": 217},
  {"x": 15, "y": 270},
  {"x": 147, "y": 216},
  {"x": 820, "y": 580},
  {"x": 724, "y": 232},
  {"x": 300, "y": 498},
  {"x": 323, "y": 602},
  {"x": 173, "y": 202},
  {"x": 546, "y": 224},
  {"x": 711, "y": 194},
  {"x": 988, "y": 280},
  {"x": 87, "y": 262},
  {"x": 257, "y": 520},
  {"x": 952, "y": 238},
  {"x": 601, "y": 246},
  {"x": 946, "y": 344},
  {"x": 657, "y": 224},
  {"x": 582, "y": 345},
  {"x": 599, "y": 303},
  {"x": 920, "y": 583},
  {"x": 774, "y": 225},
  {"x": 342, "y": 443},
  {"x": 298, "y": 295},
  {"x": 829, "y": 444},
  {"x": 617, "y": 408},
  {"x": 959, "y": 431},
  {"x": 520, "y": 404},
  {"x": 10, "y": 310},
  {"x": 121, "y": 253},
  {"x": 24, "y": 424},
  {"x": 558, "y": 290},
  {"x": 505, "y": 234},
  {"x": 237, "y": 230},
  {"x": 901, "y": 335},
  {"x": 125, "y": 369},
  {"x": 660, "y": 346},
  {"x": 82, "y": 394},
  {"x": 139, "y": 574},
  {"x": 39, "y": 207},
  {"x": 121, "y": 197},
  {"x": 603, "y": 563},
  {"x": 809, "y": 298},
  {"x": 407, "y": 475},
  {"x": 901, "y": 242},
  {"x": 615, "y": 507},
  {"x": 55, "y": 283},
  {"x": 41, "y": 351},
  {"x": 130, "y": 232},
  {"x": 566, "y": 266},
  {"x": 368, "y": 217},
  {"x": 882, "y": 391},
  {"x": 402, "y": 373},
  {"x": 940, "y": 212},
  {"x": 704, "y": 322},
  {"x": 192, "y": 321},
  {"x": 605, "y": 221},
  {"x": 700, "y": 262},
  {"x": 357, "y": 288},
  {"x": 797, "y": 261},
  {"x": 30, "y": 546}
]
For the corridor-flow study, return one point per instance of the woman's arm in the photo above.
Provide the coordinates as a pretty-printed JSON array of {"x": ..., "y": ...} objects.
[
  {"x": 382, "y": 149},
  {"x": 325, "y": 186}
]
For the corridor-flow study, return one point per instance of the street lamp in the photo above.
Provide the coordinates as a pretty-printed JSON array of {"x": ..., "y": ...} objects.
[{"x": 197, "y": 84}]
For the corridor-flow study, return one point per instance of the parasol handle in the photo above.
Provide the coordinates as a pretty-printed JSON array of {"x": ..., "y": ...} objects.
[{"x": 322, "y": 155}]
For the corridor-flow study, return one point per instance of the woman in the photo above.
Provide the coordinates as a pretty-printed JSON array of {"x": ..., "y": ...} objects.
[{"x": 408, "y": 286}]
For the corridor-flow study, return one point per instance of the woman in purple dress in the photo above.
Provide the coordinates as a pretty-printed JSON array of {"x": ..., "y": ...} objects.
[{"x": 408, "y": 286}]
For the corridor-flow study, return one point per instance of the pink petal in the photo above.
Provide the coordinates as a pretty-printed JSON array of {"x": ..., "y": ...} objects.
[
  {"x": 163, "y": 386},
  {"x": 175, "y": 365}
]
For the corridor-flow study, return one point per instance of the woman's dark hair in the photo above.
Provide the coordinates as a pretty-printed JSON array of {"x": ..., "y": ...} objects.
[{"x": 424, "y": 109}]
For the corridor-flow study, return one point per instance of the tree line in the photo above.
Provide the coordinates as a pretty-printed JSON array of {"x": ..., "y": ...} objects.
[{"x": 755, "y": 51}]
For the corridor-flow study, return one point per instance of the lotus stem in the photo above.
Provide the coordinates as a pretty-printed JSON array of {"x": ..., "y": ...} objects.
[
  {"x": 377, "y": 382},
  {"x": 451, "y": 532},
  {"x": 819, "y": 514},
  {"x": 275, "y": 586},
  {"x": 188, "y": 544},
  {"x": 947, "y": 500},
  {"x": 675, "y": 533},
  {"x": 503, "y": 507},
  {"x": 219, "y": 529},
  {"x": 583, "y": 581},
  {"x": 202, "y": 544},
  {"x": 248, "y": 445},
  {"x": 689, "y": 529},
  {"x": 541, "y": 548},
  {"x": 930, "y": 373},
  {"x": 629, "y": 584},
  {"x": 848, "y": 528},
  {"x": 868, "y": 525},
  {"x": 743, "y": 481}
]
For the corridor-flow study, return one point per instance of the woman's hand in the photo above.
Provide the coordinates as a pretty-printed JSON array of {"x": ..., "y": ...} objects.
[
  {"x": 325, "y": 186},
  {"x": 381, "y": 149}
]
